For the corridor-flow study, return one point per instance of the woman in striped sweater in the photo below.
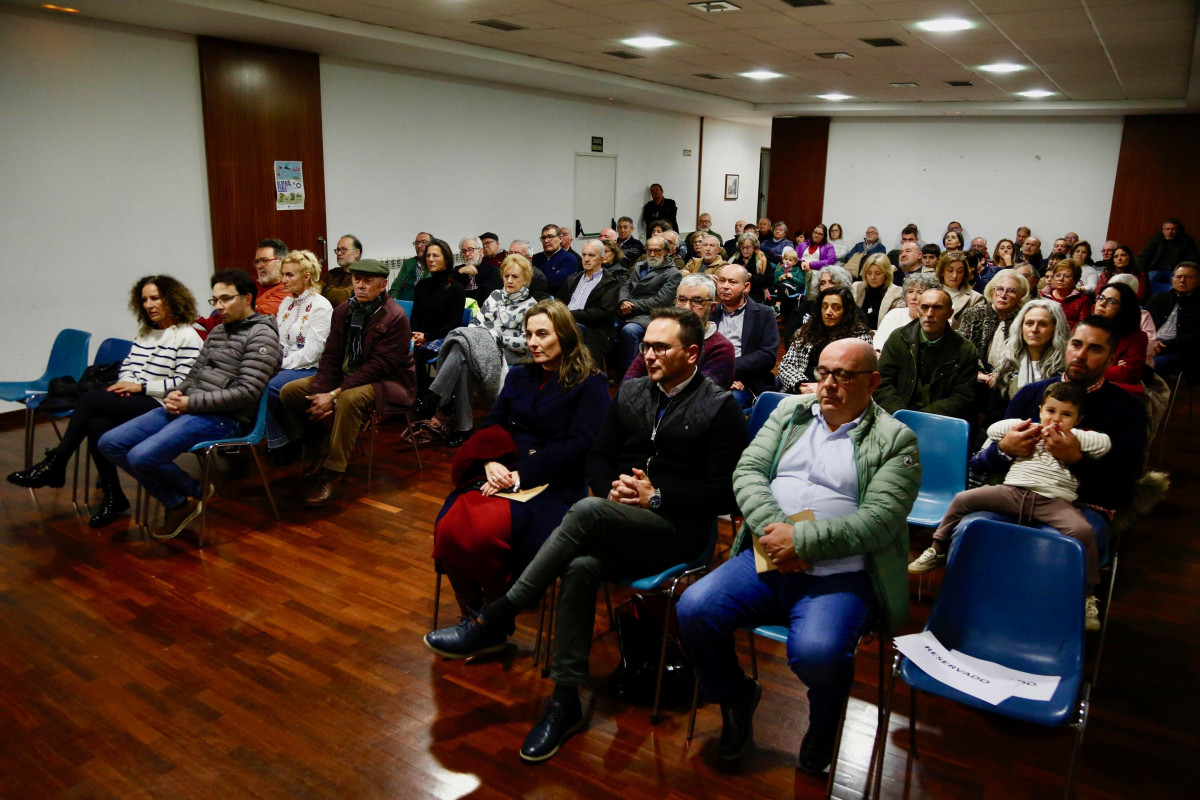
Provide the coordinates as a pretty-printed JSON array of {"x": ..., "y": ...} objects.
[{"x": 162, "y": 355}]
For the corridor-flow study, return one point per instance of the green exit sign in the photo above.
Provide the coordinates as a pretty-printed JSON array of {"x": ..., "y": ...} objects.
[{"x": 597, "y": 144}]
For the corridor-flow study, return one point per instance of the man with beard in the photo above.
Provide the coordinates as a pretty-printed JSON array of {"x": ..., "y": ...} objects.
[
  {"x": 478, "y": 278},
  {"x": 652, "y": 284},
  {"x": 868, "y": 246},
  {"x": 338, "y": 284},
  {"x": 267, "y": 265}
]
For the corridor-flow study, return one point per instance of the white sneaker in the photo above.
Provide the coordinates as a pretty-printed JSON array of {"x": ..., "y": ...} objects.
[
  {"x": 930, "y": 559},
  {"x": 1091, "y": 615}
]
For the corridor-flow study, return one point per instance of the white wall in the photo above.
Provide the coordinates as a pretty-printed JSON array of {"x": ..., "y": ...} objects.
[
  {"x": 992, "y": 175},
  {"x": 103, "y": 160},
  {"x": 405, "y": 154},
  {"x": 731, "y": 148}
]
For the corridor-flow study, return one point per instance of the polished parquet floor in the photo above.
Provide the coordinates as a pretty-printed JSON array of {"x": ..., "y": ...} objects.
[{"x": 285, "y": 661}]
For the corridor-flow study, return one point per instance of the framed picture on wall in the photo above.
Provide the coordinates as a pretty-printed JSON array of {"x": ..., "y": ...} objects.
[{"x": 731, "y": 186}]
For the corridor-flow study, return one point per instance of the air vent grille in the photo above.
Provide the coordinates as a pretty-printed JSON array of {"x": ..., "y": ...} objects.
[
  {"x": 499, "y": 25},
  {"x": 885, "y": 41},
  {"x": 621, "y": 54}
]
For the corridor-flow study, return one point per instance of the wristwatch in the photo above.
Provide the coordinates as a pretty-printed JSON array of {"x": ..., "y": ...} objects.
[{"x": 656, "y": 500}]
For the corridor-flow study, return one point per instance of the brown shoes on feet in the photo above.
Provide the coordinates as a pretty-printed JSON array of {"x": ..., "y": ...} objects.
[
  {"x": 313, "y": 469},
  {"x": 327, "y": 489},
  {"x": 175, "y": 520}
]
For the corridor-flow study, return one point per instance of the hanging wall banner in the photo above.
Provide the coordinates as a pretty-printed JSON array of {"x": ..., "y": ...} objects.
[{"x": 289, "y": 186}]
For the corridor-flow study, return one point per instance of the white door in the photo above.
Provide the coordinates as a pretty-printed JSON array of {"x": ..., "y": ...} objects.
[{"x": 595, "y": 192}]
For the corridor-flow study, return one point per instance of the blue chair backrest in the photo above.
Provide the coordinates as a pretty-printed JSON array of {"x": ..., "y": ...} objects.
[
  {"x": 260, "y": 421},
  {"x": 1013, "y": 595},
  {"x": 407, "y": 306},
  {"x": 112, "y": 350},
  {"x": 467, "y": 314},
  {"x": 943, "y": 442},
  {"x": 763, "y": 406},
  {"x": 68, "y": 356}
]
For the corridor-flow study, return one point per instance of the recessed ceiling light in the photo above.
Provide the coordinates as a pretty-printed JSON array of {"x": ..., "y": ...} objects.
[
  {"x": 761, "y": 74},
  {"x": 835, "y": 96},
  {"x": 904, "y": 85},
  {"x": 1036, "y": 93},
  {"x": 647, "y": 42},
  {"x": 945, "y": 24},
  {"x": 63, "y": 9},
  {"x": 1002, "y": 67},
  {"x": 836, "y": 54}
]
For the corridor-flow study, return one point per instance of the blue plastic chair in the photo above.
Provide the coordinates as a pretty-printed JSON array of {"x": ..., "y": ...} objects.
[
  {"x": 762, "y": 408},
  {"x": 205, "y": 450},
  {"x": 1012, "y": 595},
  {"x": 68, "y": 356},
  {"x": 407, "y": 306},
  {"x": 943, "y": 443}
]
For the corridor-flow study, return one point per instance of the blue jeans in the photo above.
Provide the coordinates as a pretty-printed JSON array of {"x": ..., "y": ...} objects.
[
  {"x": 629, "y": 338},
  {"x": 280, "y": 429},
  {"x": 146, "y": 448},
  {"x": 825, "y": 617}
]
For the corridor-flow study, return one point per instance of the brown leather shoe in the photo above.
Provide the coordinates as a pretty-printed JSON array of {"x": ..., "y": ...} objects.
[
  {"x": 313, "y": 469},
  {"x": 327, "y": 489},
  {"x": 175, "y": 520}
]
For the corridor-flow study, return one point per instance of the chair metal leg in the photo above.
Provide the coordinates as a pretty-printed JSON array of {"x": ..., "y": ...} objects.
[
  {"x": 837, "y": 747},
  {"x": 80, "y": 452},
  {"x": 552, "y": 595},
  {"x": 879, "y": 749},
  {"x": 1080, "y": 725},
  {"x": 753, "y": 657},
  {"x": 207, "y": 460},
  {"x": 695, "y": 705},
  {"x": 662, "y": 656},
  {"x": 266, "y": 483},
  {"x": 371, "y": 456},
  {"x": 612, "y": 620},
  {"x": 416, "y": 448},
  {"x": 437, "y": 595},
  {"x": 1112, "y": 582},
  {"x": 912, "y": 721},
  {"x": 28, "y": 437}
]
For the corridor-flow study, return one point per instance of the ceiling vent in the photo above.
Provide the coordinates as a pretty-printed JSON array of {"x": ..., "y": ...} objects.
[
  {"x": 885, "y": 41},
  {"x": 904, "y": 85},
  {"x": 805, "y": 3},
  {"x": 836, "y": 54},
  {"x": 714, "y": 6},
  {"x": 622, "y": 54},
  {"x": 959, "y": 83},
  {"x": 708, "y": 76},
  {"x": 499, "y": 25}
]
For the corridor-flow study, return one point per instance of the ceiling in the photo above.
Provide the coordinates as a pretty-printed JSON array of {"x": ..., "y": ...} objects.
[{"x": 1097, "y": 56}]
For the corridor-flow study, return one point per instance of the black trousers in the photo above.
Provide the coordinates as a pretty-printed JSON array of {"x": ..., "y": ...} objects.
[{"x": 96, "y": 413}]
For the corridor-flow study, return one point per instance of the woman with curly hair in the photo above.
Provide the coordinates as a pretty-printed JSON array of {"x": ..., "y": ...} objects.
[
  {"x": 161, "y": 357},
  {"x": 836, "y": 319}
]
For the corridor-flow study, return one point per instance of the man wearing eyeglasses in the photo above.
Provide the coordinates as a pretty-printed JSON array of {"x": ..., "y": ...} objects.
[
  {"x": 338, "y": 283},
  {"x": 698, "y": 294},
  {"x": 660, "y": 471},
  {"x": 412, "y": 270},
  {"x": 826, "y": 487},
  {"x": 217, "y": 400},
  {"x": 652, "y": 283},
  {"x": 554, "y": 261},
  {"x": 268, "y": 260},
  {"x": 478, "y": 278},
  {"x": 926, "y": 366}
]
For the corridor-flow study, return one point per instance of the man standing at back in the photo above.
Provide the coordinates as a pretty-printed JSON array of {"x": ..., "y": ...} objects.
[{"x": 659, "y": 209}]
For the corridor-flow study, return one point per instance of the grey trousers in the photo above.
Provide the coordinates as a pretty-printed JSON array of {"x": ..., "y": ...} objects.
[
  {"x": 453, "y": 382},
  {"x": 598, "y": 540}
]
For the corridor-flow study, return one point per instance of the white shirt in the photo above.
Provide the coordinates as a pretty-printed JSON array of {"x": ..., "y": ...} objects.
[
  {"x": 303, "y": 328},
  {"x": 730, "y": 326},
  {"x": 818, "y": 472}
]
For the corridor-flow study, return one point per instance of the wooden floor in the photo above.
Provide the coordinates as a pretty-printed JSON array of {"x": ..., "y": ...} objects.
[{"x": 285, "y": 661}]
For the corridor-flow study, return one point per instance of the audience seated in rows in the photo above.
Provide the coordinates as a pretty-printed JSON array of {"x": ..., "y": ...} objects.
[
  {"x": 1035, "y": 350},
  {"x": 593, "y": 294},
  {"x": 751, "y": 328},
  {"x": 1176, "y": 316},
  {"x": 698, "y": 294},
  {"x": 915, "y": 284},
  {"x": 338, "y": 286},
  {"x": 834, "y": 319},
  {"x": 876, "y": 294},
  {"x": 757, "y": 266}
]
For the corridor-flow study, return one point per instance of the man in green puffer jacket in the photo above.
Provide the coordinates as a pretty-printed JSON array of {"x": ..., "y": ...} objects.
[{"x": 826, "y": 487}]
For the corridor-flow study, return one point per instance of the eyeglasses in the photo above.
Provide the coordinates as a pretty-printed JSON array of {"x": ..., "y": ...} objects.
[
  {"x": 223, "y": 300},
  {"x": 655, "y": 250},
  {"x": 472, "y": 249},
  {"x": 258, "y": 262},
  {"x": 694, "y": 302},
  {"x": 421, "y": 243},
  {"x": 548, "y": 238},
  {"x": 660, "y": 348},
  {"x": 842, "y": 376},
  {"x": 1102, "y": 300},
  {"x": 341, "y": 251},
  {"x": 1005, "y": 290}
]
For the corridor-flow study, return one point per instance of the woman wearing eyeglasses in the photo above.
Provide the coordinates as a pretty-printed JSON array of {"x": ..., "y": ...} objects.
[
  {"x": 162, "y": 355},
  {"x": 836, "y": 318},
  {"x": 538, "y": 433},
  {"x": 987, "y": 325},
  {"x": 1118, "y": 302}
]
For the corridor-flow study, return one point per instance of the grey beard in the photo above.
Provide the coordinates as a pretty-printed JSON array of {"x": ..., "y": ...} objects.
[{"x": 654, "y": 263}]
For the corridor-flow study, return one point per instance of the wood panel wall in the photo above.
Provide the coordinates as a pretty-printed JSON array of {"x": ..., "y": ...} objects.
[
  {"x": 261, "y": 105},
  {"x": 1158, "y": 176},
  {"x": 796, "y": 189}
]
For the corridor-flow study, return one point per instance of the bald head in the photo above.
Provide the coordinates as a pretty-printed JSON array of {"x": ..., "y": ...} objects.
[{"x": 863, "y": 355}]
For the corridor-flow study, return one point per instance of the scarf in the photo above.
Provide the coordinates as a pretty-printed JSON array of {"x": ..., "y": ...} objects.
[{"x": 356, "y": 321}]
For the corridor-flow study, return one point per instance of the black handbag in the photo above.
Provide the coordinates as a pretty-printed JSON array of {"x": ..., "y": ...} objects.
[
  {"x": 639, "y": 635},
  {"x": 64, "y": 392}
]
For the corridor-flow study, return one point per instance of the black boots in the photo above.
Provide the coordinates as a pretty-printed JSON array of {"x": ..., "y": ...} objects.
[
  {"x": 51, "y": 471},
  {"x": 112, "y": 506}
]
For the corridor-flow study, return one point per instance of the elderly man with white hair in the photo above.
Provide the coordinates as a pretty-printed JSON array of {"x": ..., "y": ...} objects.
[{"x": 479, "y": 278}]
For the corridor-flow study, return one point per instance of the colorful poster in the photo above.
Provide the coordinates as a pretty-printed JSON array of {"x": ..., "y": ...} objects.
[{"x": 289, "y": 186}]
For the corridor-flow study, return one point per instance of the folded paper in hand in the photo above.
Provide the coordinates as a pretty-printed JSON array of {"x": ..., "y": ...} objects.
[{"x": 762, "y": 561}]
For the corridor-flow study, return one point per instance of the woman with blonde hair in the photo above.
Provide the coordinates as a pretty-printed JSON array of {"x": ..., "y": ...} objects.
[
  {"x": 538, "y": 433},
  {"x": 303, "y": 320},
  {"x": 876, "y": 294}
]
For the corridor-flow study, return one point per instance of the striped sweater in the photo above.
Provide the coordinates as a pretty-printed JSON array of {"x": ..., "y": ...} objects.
[
  {"x": 161, "y": 359},
  {"x": 1042, "y": 472}
]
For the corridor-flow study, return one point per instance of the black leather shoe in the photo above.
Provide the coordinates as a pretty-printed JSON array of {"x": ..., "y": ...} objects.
[
  {"x": 737, "y": 720},
  {"x": 50, "y": 471},
  {"x": 816, "y": 751},
  {"x": 114, "y": 504},
  {"x": 327, "y": 489},
  {"x": 471, "y": 637},
  {"x": 562, "y": 718}
]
